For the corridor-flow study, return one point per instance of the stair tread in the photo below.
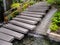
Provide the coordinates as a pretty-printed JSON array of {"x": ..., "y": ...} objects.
[
  {"x": 27, "y": 17},
  {"x": 25, "y": 21},
  {"x": 25, "y": 25},
  {"x": 5, "y": 43},
  {"x": 41, "y": 4},
  {"x": 6, "y": 37},
  {"x": 12, "y": 33},
  {"x": 15, "y": 28},
  {"x": 38, "y": 7},
  {"x": 27, "y": 12},
  {"x": 32, "y": 15},
  {"x": 40, "y": 10}
]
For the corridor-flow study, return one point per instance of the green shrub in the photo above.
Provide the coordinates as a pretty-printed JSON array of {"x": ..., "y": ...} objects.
[
  {"x": 50, "y": 1},
  {"x": 21, "y": 1},
  {"x": 31, "y": 2},
  {"x": 25, "y": 5},
  {"x": 55, "y": 22},
  {"x": 53, "y": 27},
  {"x": 10, "y": 17},
  {"x": 56, "y": 18},
  {"x": 57, "y": 2},
  {"x": 15, "y": 5},
  {"x": 16, "y": 12}
]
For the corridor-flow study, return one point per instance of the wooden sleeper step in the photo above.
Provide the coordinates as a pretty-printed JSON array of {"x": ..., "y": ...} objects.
[
  {"x": 25, "y": 21},
  {"x": 16, "y": 28},
  {"x": 6, "y": 37},
  {"x": 24, "y": 25},
  {"x": 33, "y": 15},
  {"x": 41, "y": 4},
  {"x": 16, "y": 35},
  {"x": 29, "y": 18},
  {"x": 40, "y": 10},
  {"x": 5, "y": 43},
  {"x": 38, "y": 7},
  {"x": 38, "y": 13}
]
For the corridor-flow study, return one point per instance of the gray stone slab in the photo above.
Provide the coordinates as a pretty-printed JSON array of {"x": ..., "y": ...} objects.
[
  {"x": 33, "y": 15},
  {"x": 25, "y": 25},
  {"x": 16, "y": 35},
  {"x": 25, "y": 21},
  {"x": 5, "y": 43},
  {"x": 27, "y": 17},
  {"x": 16, "y": 28},
  {"x": 38, "y": 13},
  {"x": 6, "y": 37}
]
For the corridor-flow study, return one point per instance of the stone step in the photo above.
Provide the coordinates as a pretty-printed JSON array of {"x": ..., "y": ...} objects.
[
  {"x": 25, "y": 25},
  {"x": 41, "y": 4},
  {"x": 27, "y": 17},
  {"x": 16, "y": 28},
  {"x": 5, "y": 43},
  {"x": 38, "y": 13},
  {"x": 25, "y": 21},
  {"x": 32, "y": 15},
  {"x": 18, "y": 36},
  {"x": 38, "y": 7},
  {"x": 40, "y": 10},
  {"x": 6, "y": 37}
]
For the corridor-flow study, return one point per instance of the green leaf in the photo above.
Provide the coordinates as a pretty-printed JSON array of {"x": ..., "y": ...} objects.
[{"x": 53, "y": 27}]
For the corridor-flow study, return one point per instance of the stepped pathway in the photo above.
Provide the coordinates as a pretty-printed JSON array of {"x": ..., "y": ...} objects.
[{"x": 24, "y": 23}]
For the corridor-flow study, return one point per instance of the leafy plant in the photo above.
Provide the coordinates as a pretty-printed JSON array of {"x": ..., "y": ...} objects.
[
  {"x": 16, "y": 12},
  {"x": 31, "y": 2},
  {"x": 57, "y": 2},
  {"x": 25, "y": 5},
  {"x": 56, "y": 18},
  {"x": 15, "y": 5},
  {"x": 21, "y": 1},
  {"x": 55, "y": 21},
  {"x": 53, "y": 27},
  {"x": 50, "y": 1},
  {"x": 9, "y": 17}
]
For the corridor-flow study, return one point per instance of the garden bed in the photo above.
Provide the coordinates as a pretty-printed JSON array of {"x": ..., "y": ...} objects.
[
  {"x": 54, "y": 29},
  {"x": 53, "y": 36}
]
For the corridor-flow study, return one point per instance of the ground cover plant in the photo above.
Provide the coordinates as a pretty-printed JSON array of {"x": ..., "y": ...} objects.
[{"x": 55, "y": 24}]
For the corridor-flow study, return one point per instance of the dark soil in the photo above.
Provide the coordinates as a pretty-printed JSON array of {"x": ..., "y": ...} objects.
[{"x": 58, "y": 31}]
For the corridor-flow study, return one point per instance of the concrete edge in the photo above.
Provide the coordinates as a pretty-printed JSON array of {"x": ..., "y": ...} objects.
[
  {"x": 44, "y": 25},
  {"x": 53, "y": 36}
]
